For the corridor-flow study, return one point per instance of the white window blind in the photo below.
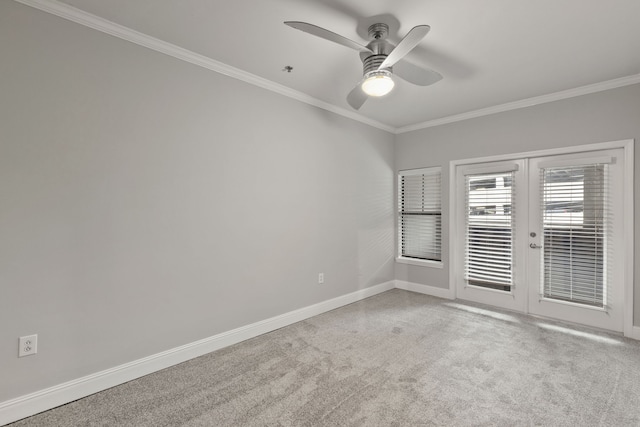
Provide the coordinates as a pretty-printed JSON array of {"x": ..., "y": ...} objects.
[
  {"x": 575, "y": 217},
  {"x": 490, "y": 226},
  {"x": 420, "y": 214}
]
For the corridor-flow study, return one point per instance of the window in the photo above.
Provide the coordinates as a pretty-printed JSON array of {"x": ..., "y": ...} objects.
[
  {"x": 489, "y": 230},
  {"x": 420, "y": 215},
  {"x": 483, "y": 184},
  {"x": 483, "y": 210},
  {"x": 574, "y": 220}
]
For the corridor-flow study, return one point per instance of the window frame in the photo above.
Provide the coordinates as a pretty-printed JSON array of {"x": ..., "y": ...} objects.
[{"x": 432, "y": 170}]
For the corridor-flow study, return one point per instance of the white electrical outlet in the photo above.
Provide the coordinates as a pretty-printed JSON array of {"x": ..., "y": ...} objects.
[
  {"x": 321, "y": 278},
  {"x": 28, "y": 345}
]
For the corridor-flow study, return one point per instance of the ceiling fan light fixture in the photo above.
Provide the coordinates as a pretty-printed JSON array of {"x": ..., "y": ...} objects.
[{"x": 378, "y": 83}]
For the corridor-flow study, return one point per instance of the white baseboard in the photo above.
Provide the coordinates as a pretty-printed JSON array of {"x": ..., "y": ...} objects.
[
  {"x": 33, "y": 403},
  {"x": 634, "y": 333},
  {"x": 426, "y": 289}
]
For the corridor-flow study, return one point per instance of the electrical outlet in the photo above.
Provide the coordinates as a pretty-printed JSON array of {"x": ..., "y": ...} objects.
[
  {"x": 28, "y": 345},
  {"x": 321, "y": 278}
]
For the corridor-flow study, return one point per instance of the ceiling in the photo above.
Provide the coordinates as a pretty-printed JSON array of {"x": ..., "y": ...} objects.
[{"x": 490, "y": 52}]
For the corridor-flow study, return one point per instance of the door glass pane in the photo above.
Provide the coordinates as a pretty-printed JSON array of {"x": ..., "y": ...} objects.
[
  {"x": 574, "y": 219},
  {"x": 490, "y": 225}
]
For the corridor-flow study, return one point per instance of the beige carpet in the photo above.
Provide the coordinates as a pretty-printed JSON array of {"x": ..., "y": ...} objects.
[{"x": 396, "y": 359}]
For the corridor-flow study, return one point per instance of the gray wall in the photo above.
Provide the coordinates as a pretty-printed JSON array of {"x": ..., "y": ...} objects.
[
  {"x": 605, "y": 116},
  {"x": 147, "y": 203}
]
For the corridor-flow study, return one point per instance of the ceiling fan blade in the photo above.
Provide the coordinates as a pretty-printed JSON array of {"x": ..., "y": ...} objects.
[
  {"x": 357, "y": 97},
  {"x": 414, "y": 74},
  {"x": 411, "y": 40},
  {"x": 326, "y": 34}
]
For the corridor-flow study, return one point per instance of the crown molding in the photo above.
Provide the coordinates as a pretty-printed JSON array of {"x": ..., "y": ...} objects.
[
  {"x": 81, "y": 17},
  {"x": 529, "y": 102}
]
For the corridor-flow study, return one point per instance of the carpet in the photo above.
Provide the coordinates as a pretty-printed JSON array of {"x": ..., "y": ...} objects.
[{"x": 396, "y": 359}]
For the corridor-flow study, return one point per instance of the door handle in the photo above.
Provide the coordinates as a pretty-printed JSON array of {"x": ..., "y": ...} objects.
[{"x": 534, "y": 246}]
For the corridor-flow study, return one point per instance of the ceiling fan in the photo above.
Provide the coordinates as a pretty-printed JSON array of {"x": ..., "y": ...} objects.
[{"x": 381, "y": 60}]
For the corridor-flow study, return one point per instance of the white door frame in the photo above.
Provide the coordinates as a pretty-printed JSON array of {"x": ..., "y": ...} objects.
[
  {"x": 516, "y": 298},
  {"x": 456, "y": 252},
  {"x": 609, "y": 317}
]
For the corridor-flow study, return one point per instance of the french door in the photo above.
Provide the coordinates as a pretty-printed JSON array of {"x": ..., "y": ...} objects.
[{"x": 543, "y": 235}]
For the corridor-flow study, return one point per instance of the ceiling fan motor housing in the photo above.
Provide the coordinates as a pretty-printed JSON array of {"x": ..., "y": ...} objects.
[
  {"x": 372, "y": 62},
  {"x": 378, "y": 31},
  {"x": 380, "y": 47}
]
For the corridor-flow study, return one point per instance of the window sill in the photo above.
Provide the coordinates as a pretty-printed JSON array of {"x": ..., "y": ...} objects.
[{"x": 419, "y": 262}]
